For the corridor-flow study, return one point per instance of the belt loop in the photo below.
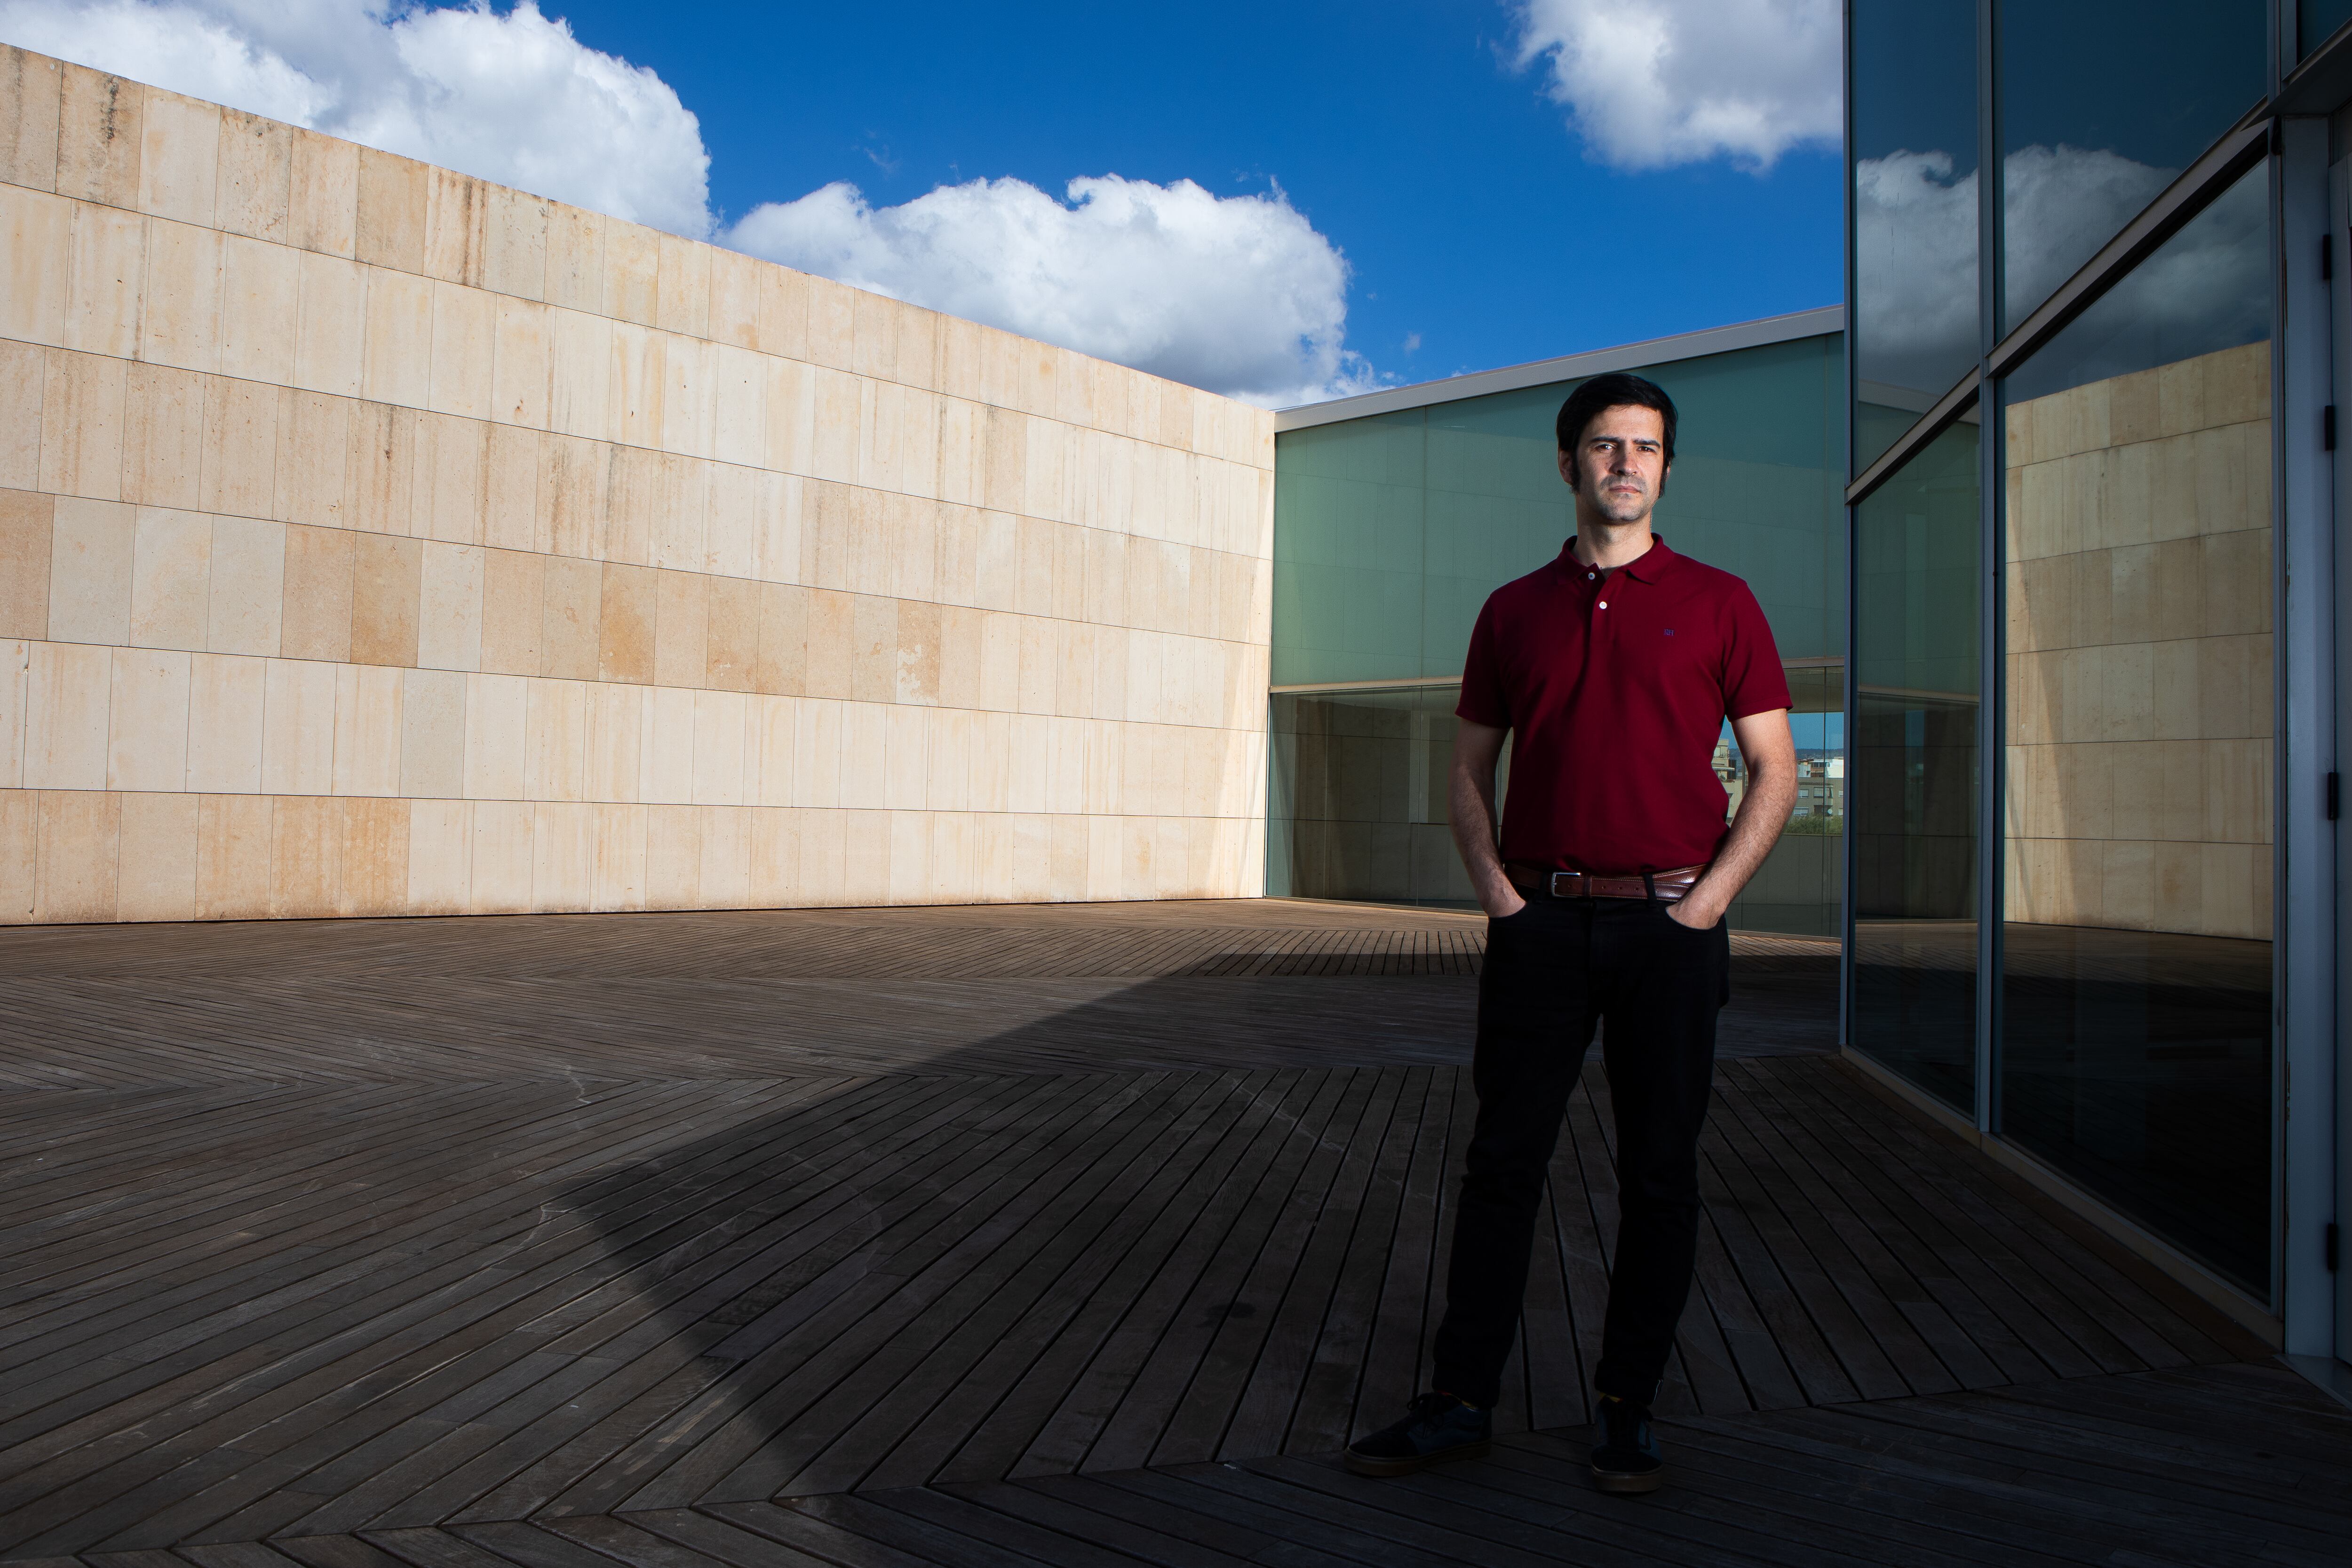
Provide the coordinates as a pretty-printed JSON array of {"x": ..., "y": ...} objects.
[{"x": 1649, "y": 887}]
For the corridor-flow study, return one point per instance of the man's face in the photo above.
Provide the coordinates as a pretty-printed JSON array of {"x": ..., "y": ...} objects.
[{"x": 1618, "y": 465}]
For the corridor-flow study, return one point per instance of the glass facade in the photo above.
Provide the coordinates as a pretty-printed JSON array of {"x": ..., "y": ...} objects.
[
  {"x": 2136, "y": 1042},
  {"x": 2100, "y": 106},
  {"x": 1390, "y": 530},
  {"x": 1916, "y": 769},
  {"x": 2316, "y": 20},
  {"x": 1913, "y": 146},
  {"x": 2112, "y": 715}
]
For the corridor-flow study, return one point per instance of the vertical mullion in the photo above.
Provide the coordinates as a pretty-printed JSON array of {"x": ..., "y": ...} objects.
[
  {"x": 1989, "y": 457},
  {"x": 1848, "y": 700}
]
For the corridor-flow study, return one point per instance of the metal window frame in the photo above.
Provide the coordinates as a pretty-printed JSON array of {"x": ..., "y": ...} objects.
[
  {"x": 1847, "y": 878},
  {"x": 2303, "y": 592},
  {"x": 1992, "y": 522}
]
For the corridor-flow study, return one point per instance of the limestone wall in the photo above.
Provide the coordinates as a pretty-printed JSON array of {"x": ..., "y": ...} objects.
[
  {"x": 2139, "y": 661},
  {"x": 375, "y": 540}
]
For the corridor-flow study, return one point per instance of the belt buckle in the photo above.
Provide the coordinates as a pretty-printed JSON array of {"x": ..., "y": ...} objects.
[{"x": 1555, "y": 878}]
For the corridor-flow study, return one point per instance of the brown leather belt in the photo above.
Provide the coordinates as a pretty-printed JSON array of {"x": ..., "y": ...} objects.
[{"x": 1665, "y": 886}]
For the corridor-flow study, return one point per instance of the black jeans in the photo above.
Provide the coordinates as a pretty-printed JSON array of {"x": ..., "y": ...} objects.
[{"x": 1552, "y": 972}]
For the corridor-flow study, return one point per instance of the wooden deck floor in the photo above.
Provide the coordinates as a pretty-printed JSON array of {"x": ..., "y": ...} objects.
[{"x": 1006, "y": 1235}]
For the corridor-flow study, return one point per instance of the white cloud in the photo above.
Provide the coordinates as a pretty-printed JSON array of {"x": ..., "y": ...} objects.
[
  {"x": 1651, "y": 83},
  {"x": 510, "y": 97},
  {"x": 1239, "y": 293}
]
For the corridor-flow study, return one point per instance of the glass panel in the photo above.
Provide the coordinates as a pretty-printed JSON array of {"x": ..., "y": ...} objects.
[
  {"x": 1348, "y": 501},
  {"x": 2316, "y": 21},
  {"x": 1390, "y": 531},
  {"x": 2136, "y": 993},
  {"x": 1358, "y": 803},
  {"x": 2102, "y": 105},
  {"x": 1358, "y": 797},
  {"x": 1801, "y": 884},
  {"x": 1915, "y": 211},
  {"x": 1915, "y": 770}
]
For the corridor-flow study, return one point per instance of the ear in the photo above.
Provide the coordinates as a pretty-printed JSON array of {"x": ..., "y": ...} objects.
[{"x": 1568, "y": 469}]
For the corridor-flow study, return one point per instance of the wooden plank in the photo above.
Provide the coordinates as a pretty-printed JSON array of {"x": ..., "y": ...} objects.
[
  {"x": 1270, "y": 1392},
  {"x": 1142, "y": 1420},
  {"x": 1038, "y": 1291},
  {"x": 1063, "y": 1510},
  {"x": 1329, "y": 1385},
  {"x": 803, "y": 1532},
  {"x": 1005, "y": 1264},
  {"x": 1411, "y": 1295},
  {"x": 1094, "y": 1395},
  {"x": 1027, "y": 1382}
]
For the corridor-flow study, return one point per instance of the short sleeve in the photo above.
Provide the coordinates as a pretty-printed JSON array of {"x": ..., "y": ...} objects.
[
  {"x": 1484, "y": 700},
  {"x": 1753, "y": 681}
]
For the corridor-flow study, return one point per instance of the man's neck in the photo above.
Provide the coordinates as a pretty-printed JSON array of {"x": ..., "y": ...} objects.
[{"x": 1608, "y": 545}]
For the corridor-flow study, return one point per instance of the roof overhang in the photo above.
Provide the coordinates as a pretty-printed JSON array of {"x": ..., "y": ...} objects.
[{"x": 1569, "y": 367}]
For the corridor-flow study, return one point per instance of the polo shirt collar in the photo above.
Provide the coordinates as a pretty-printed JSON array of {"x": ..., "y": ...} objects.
[{"x": 1651, "y": 565}]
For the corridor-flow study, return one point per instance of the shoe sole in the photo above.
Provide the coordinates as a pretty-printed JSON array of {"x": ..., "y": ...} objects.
[
  {"x": 1364, "y": 1464},
  {"x": 1626, "y": 1481}
]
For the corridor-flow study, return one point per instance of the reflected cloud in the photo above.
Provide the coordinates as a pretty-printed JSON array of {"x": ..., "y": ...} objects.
[{"x": 1915, "y": 259}]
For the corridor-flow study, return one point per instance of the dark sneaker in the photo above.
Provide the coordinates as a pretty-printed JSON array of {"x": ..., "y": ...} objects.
[
  {"x": 1439, "y": 1426},
  {"x": 1625, "y": 1457}
]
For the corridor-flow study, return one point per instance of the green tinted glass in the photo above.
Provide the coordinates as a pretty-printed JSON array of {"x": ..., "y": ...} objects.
[
  {"x": 1916, "y": 773},
  {"x": 1390, "y": 530}
]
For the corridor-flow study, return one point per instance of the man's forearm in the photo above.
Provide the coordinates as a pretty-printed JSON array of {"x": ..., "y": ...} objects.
[
  {"x": 1755, "y": 828},
  {"x": 1472, "y": 812}
]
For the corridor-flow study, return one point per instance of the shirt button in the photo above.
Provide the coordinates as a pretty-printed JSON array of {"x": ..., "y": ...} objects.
[
  {"x": 1588, "y": 576},
  {"x": 1605, "y": 603}
]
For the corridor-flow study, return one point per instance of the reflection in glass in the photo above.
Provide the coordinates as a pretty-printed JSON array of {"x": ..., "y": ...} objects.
[
  {"x": 1915, "y": 211},
  {"x": 1801, "y": 884},
  {"x": 1358, "y": 803},
  {"x": 2316, "y": 21},
  {"x": 2136, "y": 993},
  {"x": 1357, "y": 799},
  {"x": 2101, "y": 105},
  {"x": 1915, "y": 770},
  {"x": 1390, "y": 530}
]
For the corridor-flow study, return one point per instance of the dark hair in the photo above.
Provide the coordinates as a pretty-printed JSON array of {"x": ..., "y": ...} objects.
[{"x": 1615, "y": 390}]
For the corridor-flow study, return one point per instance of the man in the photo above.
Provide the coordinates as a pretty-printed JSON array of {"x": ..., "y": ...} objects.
[{"x": 1616, "y": 665}]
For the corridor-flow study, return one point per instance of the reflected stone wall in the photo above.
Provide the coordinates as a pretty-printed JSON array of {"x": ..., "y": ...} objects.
[
  {"x": 2139, "y": 659},
  {"x": 1358, "y": 806}
]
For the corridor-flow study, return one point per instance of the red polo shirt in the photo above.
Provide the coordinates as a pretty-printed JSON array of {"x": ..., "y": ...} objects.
[{"x": 1617, "y": 689}]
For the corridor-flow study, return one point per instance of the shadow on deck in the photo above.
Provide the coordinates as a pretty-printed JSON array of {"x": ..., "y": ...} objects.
[{"x": 1006, "y": 1235}]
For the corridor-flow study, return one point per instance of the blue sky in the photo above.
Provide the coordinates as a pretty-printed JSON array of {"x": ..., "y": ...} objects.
[
  {"x": 1467, "y": 208},
  {"x": 1506, "y": 180}
]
